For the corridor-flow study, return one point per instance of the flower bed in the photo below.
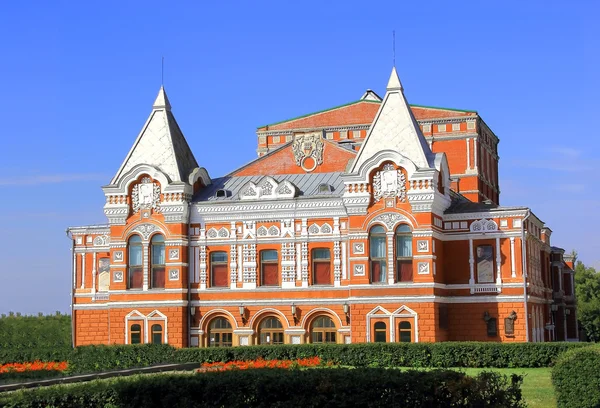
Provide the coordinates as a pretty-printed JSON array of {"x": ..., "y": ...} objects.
[
  {"x": 32, "y": 370},
  {"x": 260, "y": 363}
]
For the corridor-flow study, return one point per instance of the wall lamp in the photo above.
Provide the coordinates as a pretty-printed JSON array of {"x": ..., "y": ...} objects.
[
  {"x": 567, "y": 311},
  {"x": 295, "y": 313},
  {"x": 243, "y": 313},
  {"x": 347, "y": 312}
]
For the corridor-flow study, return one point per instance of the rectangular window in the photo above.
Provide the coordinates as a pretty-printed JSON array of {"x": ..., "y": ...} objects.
[
  {"x": 485, "y": 264},
  {"x": 441, "y": 128},
  {"x": 321, "y": 258},
  {"x": 356, "y": 134},
  {"x": 404, "y": 262},
  {"x": 378, "y": 255},
  {"x": 455, "y": 127},
  {"x": 269, "y": 267},
  {"x": 426, "y": 128},
  {"x": 219, "y": 270}
]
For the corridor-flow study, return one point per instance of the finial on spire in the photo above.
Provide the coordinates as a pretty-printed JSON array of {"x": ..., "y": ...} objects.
[
  {"x": 394, "y": 83},
  {"x": 162, "y": 72},
  {"x": 161, "y": 101},
  {"x": 394, "y": 46}
]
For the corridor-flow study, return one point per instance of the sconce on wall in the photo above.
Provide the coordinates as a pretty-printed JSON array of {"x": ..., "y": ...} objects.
[
  {"x": 243, "y": 313},
  {"x": 347, "y": 312},
  {"x": 554, "y": 308},
  {"x": 295, "y": 313},
  {"x": 567, "y": 311}
]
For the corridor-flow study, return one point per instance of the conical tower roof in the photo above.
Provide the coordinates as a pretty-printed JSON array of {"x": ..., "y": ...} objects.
[
  {"x": 161, "y": 144},
  {"x": 395, "y": 128}
]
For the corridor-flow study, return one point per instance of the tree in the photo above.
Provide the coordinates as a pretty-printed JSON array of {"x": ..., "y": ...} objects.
[{"x": 587, "y": 290}]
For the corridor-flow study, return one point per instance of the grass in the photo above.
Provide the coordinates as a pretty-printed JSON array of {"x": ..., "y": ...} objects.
[{"x": 537, "y": 384}]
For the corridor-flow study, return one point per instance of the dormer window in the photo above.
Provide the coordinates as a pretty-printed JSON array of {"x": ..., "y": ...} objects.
[
  {"x": 325, "y": 188},
  {"x": 221, "y": 193}
]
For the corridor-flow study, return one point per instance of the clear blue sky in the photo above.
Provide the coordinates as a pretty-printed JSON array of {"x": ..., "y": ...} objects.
[{"x": 79, "y": 80}]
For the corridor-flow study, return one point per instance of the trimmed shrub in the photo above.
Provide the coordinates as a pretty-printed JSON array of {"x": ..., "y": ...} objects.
[
  {"x": 117, "y": 357},
  {"x": 576, "y": 378},
  {"x": 366, "y": 387}
]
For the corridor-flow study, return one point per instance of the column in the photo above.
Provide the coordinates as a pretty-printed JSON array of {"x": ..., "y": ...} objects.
[
  {"x": 498, "y": 263},
  {"x": 337, "y": 270},
  {"x": 390, "y": 256},
  {"x": 145, "y": 262},
  {"x": 475, "y": 153},
  {"x": 513, "y": 272},
  {"x": 471, "y": 266},
  {"x": 468, "y": 154},
  {"x": 83, "y": 270},
  {"x": 94, "y": 273}
]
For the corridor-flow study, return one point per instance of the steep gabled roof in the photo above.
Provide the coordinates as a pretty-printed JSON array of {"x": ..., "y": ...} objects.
[
  {"x": 395, "y": 128},
  {"x": 161, "y": 144}
]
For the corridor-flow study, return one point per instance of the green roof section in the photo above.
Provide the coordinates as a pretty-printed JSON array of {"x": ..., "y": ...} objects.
[{"x": 359, "y": 101}]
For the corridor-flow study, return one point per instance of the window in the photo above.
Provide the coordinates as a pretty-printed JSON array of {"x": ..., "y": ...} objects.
[
  {"x": 323, "y": 330},
  {"x": 404, "y": 264},
  {"x": 136, "y": 270},
  {"x": 157, "y": 279},
  {"x": 321, "y": 258},
  {"x": 218, "y": 269},
  {"x": 405, "y": 332},
  {"x": 269, "y": 268},
  {"x": 270, "y": 331},
  {"x": 485, "y": 264},
  {"x": 377, "y": 250},
  {"x": 380, "y": 332},
  {"x": 135, "y": 334},
  {"x": 157, "y": 334},
  {"x": 220, "y": 333}
]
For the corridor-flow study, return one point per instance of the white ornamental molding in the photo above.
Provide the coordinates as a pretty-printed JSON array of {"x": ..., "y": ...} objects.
[
  {"x": 145, "y": 195},
  {"x": 314, "y": 229},
  {"x": 391, "y": 219},
  {"x": 268, "y": 189},
  {"x": 484, "y": 225},
  {"x": 102, "y": 240},
  {"x": 214, "y": 233},
  {"x": 146, "y": 229},
  {"x": 389, "y": 182},
  {"x": 308, "y": 146}
]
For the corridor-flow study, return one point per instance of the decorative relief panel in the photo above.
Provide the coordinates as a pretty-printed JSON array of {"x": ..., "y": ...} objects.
[
  {"x": 173, "y": 254},
  {"x": 337, "y": 269},
  {"x": 484, "y": 225},
  {"x": 145, "y": 195},
  {"x": 391, "y": 219},
  {"x": 101, "y": 240},
  {"x": 288, "y": 262},
  {"x": 308, "y": 151},
  {"x": 423, "y": 268},
  {"x": 267, "y": 188},
  {"x": 174, "y": 274},
  {"x": 389, "y": 182},
  {"x": 118, "y": 276},
  {"x": 249, "y": 265},
  {"x": 146, "y": 229},
  {"x": 359, "y": 270},
  {"x": 422, "y": 245},
  {"x": 358, "y": 248},
  {"x": 118, "y": 256}
]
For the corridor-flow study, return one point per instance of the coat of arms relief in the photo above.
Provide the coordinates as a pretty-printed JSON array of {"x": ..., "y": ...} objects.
[
  {"x": 145, "y": 195},
  {"x": 389, "y": 182},
  {"x": 308, "y": 150}
]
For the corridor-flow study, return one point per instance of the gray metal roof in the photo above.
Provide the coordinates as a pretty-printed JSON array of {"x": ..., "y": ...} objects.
[{"x": 307, "y": 185}]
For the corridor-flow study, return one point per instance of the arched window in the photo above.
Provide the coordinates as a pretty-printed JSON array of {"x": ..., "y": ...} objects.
[
  {"x": 136, "y": 269},
  {"x": 323, "y": 330},
  {"x": 157, "y": 277},
  {"x": 321, "y": 261},
  {"x": 405, "y": 332},
  {"x": 218, "y": 269},
  {"x": 270, "y": 331},
  {"x": 220, "y": 333},
  {"x": 380, "y": 329},
  {"x": 404, "y": 264},
  {"x": 156, "y": 332},
  {"x": 378, "y": 254},
  {"x": 269, "y": 268},
  {"x": 135, "y": 334}
]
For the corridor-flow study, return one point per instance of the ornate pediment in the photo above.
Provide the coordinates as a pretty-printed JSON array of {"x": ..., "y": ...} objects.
[
  {"x": 308, "y": 150},
  {"x": 389, "y": 182},
  {"x": 145, "y": 195}
]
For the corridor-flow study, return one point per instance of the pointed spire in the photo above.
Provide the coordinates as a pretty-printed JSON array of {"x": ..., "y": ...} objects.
[
  {"x": 395, "y": 128},
  {"x": 162, "y": 102},
  {"x": 161, "y": 144},
  {"x": 394, "y": 82}
]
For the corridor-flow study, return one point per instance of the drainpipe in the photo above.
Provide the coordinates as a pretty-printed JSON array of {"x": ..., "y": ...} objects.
[
  {"x": 70, "y": 236},
  {"x": 524, "y": 259}
]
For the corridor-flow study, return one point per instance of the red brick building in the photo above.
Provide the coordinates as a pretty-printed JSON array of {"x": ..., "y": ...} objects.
[{"x": 372, "y": 221}]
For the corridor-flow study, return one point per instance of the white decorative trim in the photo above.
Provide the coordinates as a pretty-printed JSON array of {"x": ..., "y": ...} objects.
[
  {"x": 118, "y": 276},
  {"x": 483, "y": 226},
  {"x": 145, "y": 230},
  {"x": 307, "y": 146},
  {"x": 389, "y": 182},
  {"x": 390, "y": 220},
  {"x": 423, "y": 268},
  {"x": 173, "y": 254},
  {"x": 173, "y": 274},
  {"x": 358, "y": 248},
  {"x": 422, "y": 245}
]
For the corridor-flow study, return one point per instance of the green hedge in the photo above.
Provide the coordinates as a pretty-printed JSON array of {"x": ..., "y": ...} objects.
[
  {"x": 450, "y": 354},
  {"x": 576, "y": 378},
  {"x": 105, "y": 358},
  {"x": 29, "y": 338},
  {"x": 367, "y": 387}
]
